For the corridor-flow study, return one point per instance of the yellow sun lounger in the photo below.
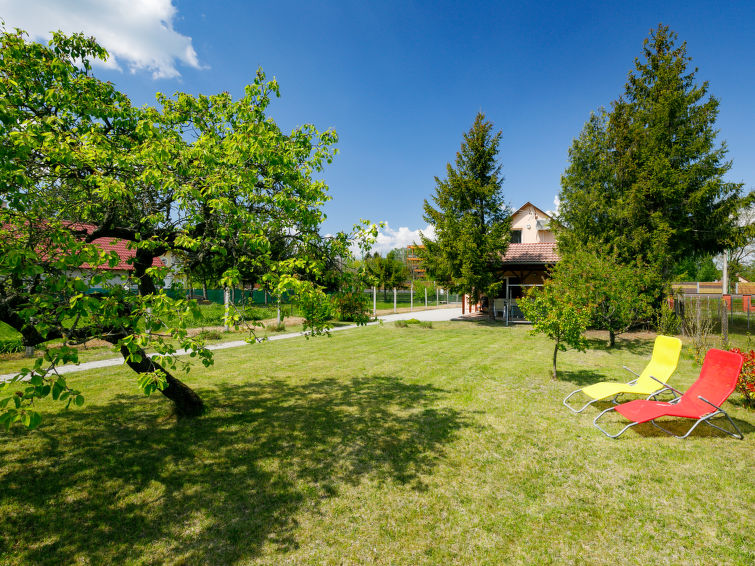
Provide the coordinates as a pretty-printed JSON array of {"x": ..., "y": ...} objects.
[{"x": 662, "y": 364}]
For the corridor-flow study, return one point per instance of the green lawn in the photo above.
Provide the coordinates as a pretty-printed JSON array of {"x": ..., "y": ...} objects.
[{"x": 378, "y": 445}]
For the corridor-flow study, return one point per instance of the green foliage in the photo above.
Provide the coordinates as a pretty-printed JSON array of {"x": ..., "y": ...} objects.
[
  {"x": 746, "y": 381},
  {"x": 387, "y": 272},
  {"x": 696, "y": 268},
  {"x": 553, "y": 314},
  {"x": 470, "y": 217},
  {"x": 613, "y": 294},
  {"x": 11, "y": 345},
  {"x": 413, "y": 321},
  {"x": 666, "y": 321},
  {"x": 352, "y": 305},
  {"x": 207, "y": 178},
  {"x": 645, "y": 180}
]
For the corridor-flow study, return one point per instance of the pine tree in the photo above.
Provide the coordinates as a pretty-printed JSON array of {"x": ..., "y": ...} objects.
[
  {"x": 645, "y": 180},
  {"x": 470, "y": 218}
]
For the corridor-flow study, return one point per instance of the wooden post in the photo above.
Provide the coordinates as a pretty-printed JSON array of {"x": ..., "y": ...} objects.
[
  {"x": 394, "y": 299},
  {"x": 425, "y": 297},
  {"x": 463, "y": 297},
  {"x": 374, "y": 301},
  {"x": 437, "y": 297},
  {"x": 411, "y": 297}
]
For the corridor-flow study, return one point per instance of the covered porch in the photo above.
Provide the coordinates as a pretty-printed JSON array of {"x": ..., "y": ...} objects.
[{"x": 524, "y": 266}]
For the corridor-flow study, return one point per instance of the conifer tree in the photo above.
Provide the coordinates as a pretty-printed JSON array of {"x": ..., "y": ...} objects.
[
  {"x": 470, "y": 217},
  {"x": 646, "y": 179}
]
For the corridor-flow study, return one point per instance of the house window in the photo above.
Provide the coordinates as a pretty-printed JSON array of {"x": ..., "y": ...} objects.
[{"x": 516, "y": 236}]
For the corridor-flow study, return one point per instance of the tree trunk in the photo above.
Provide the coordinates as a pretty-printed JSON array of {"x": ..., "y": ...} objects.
[
  {"x": 186, "y": 402},
  {"x": 555, "y": 353},
  {"x": 611, "y": 338}
]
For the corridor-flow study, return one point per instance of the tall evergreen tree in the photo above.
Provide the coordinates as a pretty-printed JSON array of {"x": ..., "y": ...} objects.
[
  {"x": 645, "y": 180},
  {"x": 470, "y": 217}
]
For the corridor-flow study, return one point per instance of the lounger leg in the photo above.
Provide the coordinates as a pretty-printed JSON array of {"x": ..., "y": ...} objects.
[
  {"x": 572, "y": 409},
  {"x": 595, "y": 422},
  {"x": 706, "y": 420}
]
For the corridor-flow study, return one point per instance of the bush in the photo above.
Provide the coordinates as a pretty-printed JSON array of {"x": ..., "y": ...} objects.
[
  {"x": 746, "y": 381},
  {"x": 210, "y": 335},
  {"x": 11, "y": 346},
  {"x": 276, "y": 326},
  {"x": 666, "y": 321},
  {"x": 420, "y": 323},
  {"x": 352, "y": 306}
]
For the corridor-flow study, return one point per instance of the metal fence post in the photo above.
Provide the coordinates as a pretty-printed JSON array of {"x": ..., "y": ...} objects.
[{"x": 227, "y": 313}]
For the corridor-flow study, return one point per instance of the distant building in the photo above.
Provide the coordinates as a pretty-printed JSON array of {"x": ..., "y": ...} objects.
[
  {"x": 414, "y": 262},
  {"x": 531, "y": 253}
]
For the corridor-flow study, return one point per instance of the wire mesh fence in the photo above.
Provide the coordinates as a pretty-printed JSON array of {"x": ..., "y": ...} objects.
[
  {"x": 692, "y": 310},
  {"x": 419, "y": 297}
]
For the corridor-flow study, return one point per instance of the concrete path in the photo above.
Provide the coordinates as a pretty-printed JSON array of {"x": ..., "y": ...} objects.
[{"x": 434, "y": 315}]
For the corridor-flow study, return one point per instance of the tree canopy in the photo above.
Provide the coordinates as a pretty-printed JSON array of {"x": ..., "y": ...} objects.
[
  {"x": 645, "y": 180},
  {"x": 470, "y": 217},
  {"x": 203, "y": 175}
]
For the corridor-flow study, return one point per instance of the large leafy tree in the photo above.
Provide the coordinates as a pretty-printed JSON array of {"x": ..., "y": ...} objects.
[
  {"x": 205, "y": 174},
  {"x": 645, "y": 180},
  {"x": 611, "y": 293},
  {"x": 470, "y": 217}
]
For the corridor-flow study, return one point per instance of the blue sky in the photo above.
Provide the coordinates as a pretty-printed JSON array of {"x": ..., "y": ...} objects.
[{"x": 402, "y": 81}]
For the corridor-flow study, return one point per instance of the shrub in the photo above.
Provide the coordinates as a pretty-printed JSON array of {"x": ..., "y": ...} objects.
[
  {"x": 420, "y": 323},
  {"x": 352, "y": 306},
  {"x": 746, "y": 382},
  {"x": 276, "y": 326},
  {"x": 666, "y": 321},
  {"x": 11, "y": 346},
  {"x": 210, "y": 335}
]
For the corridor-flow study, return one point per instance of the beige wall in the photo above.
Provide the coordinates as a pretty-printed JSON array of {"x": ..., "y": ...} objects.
[{"x": 526, "y": 221}]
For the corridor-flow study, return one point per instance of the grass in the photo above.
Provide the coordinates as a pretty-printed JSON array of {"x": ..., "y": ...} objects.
[{"x": 378, "y": 445}]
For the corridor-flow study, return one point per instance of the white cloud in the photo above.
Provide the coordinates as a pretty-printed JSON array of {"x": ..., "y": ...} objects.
[
  {"x": 556, "y": 204},
  {"x": 388, "y": 238},
  {"x": 138, "y": 34}
]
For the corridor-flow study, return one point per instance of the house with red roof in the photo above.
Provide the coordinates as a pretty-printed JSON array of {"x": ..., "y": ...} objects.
[{"x": 531, "y": 253}]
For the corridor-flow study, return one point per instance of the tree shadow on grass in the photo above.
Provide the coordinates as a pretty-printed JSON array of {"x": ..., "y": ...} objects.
[
  {"x": 637, "y": 346},
  {"x": 117, "y": 483},
  {"x": 581, "y": 377}
]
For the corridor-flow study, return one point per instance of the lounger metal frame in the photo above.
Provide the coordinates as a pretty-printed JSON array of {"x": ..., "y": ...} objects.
[
  {"x": 613, "y": 399},
  {"x": 703, "y": 419}
]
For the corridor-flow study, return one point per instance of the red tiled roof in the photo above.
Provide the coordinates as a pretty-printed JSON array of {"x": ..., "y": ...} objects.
[
  {"x": 116, "y": 245},
  {"x": 531, "y": 253}
]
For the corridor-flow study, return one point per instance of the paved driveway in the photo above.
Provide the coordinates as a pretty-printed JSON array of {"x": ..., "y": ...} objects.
[{"x": 434, "y": 315}]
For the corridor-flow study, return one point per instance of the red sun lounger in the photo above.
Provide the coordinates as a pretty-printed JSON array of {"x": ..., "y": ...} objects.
[{"x": 702, "y": 401}]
